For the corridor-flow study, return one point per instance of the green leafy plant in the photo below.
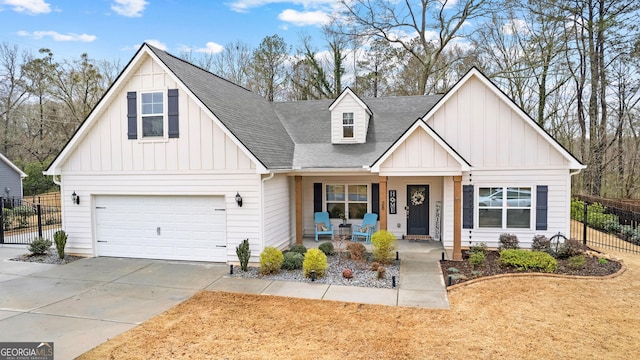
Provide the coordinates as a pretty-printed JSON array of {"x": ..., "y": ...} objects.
[
  {"x": 356, "y": 251},
  {"x": 60, "y": 238},
  {"x": 570, "y": 248},
  {"x": 7, "y": 218},
  {"x": 478, "y": 248},
  {"x": 602, "y": 261},
  {"x": 23, "y": 212},
  {"x": 477, "y": 259},
  {"x": 327, "y": 248},
  {"x": 508, "y": 241},
  {"x": 292, "y": 260},
  {"x": 244, "y": 253},
  {"x": 528, "y": 260},
  {"x": 315, "y": 260},
  {"x": 384, "y": 246},
  {"x": 271, "y": 260},
  {"x": 39, "y": 246},
  {"x": 299, "y": 248},
  {"x": 541, "y": 243},
  {"x": 577, "y": 262}
]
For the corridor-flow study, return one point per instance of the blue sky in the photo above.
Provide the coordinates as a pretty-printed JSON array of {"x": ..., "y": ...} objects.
[{"x": 114, "y": 29}]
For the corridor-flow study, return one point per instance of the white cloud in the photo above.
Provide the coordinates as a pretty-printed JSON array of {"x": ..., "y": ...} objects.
[
  {"x": 155, "y": 43},
  {"x": 304, "y": 18},
  {"x": 31, "y": 7},
  {"x": 129, "y": 8},
  {"x": 515, "y": 26},
  {"x": 245, "y": 5},
  {"x": 56, "y": 36},
  {"x": 210, "y": 48}
]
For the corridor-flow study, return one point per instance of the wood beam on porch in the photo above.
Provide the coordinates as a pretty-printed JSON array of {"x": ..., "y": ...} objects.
[
  {"x": 457, "y": 218},
  {"x": 298, "y": 191},
  {"x": 383, "y": 202}
]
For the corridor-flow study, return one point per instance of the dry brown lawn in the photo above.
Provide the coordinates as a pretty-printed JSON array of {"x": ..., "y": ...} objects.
[{"x": 504, "y": 318}]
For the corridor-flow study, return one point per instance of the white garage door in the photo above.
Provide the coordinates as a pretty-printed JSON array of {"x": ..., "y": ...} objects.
[{"x": 161, "y": 227}]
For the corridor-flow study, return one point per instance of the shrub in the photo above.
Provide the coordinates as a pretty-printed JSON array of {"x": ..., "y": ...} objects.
[
  {"x": 7, "y": 218},
  {"x": 316, "y": 260},
  {"x": 635, "y": 239},
  {"x": 612, "y": 226},
  {"x": 541, "y": 243},
  {"x": 603, "y": 261},
  {"x": 478, "y": 248},
  {"x": 39, "y": 246},
  {"x": 528, "y": 260},
  {"x": 356, "y": 251},
  {"x": 271, "y": 260},
  {"x": 570, "y": 248},
  {"x": 374, "y": 266},
  {"x": 292, "y": 260},
  {"x": 381, "y": 271},
  {"x": 327, "y": 248},
  {"x": 24, "y": 210},
  {"x": 299, "y": 248},
  {"x": 577, "y": 262},
  {"x": 384, "y": 246},
  {"x": 627, "y": 231},
  {"x": 508, "y": 241},
  {"x": 477, "y": 259},
  {"x": 244, "y": 253},
  {"x": 60, "y": 238}
]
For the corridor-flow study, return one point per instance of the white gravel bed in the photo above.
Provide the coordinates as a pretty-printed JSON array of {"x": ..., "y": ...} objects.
[{"x": 362, "y": 275}]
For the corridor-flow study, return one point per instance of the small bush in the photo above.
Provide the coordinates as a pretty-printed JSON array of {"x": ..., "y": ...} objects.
[
  {"x": 24, "y": 210},
  {"x": 381, "y": 272},
  {"x": 270, "y": 260},
  {"x": 374, "y": 266},
  {"x": 316, "y": 260},
  {"x": 39, "y": 246},
  {"x": 7, "y": 218},
  {"x": 635, "y": 239},
  {"x": 603, "y": 261},
  {"x": 356, "y": 251},
  {"x": 570, "y": 248},
  {"x": 477, "y": 259},
  {"x": 612, "y": 226},
  {"x": 627, "y": 231},
  {"x": 577, "y": 262},
  {"x": 292, "y": 260},
  {"x": 60, "y": 238},
  {"x": 508, "y": 241},
  {"x": 384, "y": 246},
  {"x": 244, "y": 253},
  {"x": 541, "y": 243},
  {"x": 478, "y": 248},
  {"x": 528, "y": 260},
  {"x": 299, "y": 248},
  {"x": 327, "y": 248}
]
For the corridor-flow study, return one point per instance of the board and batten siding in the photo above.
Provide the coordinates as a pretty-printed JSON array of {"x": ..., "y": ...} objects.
[
  {"x": 397, "y": 223},
  {"x": 277, "y": 212},
  {"x": 360, "y": 121},
  {"x": 559, "y": 204},
  {"x": 487, "y": 132},
  {"x": 421, "y": 155}
]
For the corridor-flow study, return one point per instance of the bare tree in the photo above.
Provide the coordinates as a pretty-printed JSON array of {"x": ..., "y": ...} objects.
[
  {"x": 12, "y": 91},
  {"x": 232, "y": 63}
]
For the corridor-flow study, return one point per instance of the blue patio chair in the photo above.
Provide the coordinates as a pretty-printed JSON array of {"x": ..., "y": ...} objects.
[
  {"x": 322, "y": 224},
  {"x": 366, "y": 229}
]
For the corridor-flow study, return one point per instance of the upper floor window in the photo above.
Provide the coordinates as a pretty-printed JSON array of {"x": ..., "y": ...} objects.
[
  {"x": 495, "y": 210},
  {"x": 152, "y": 114},
  {"x": 347, "y": 125}
]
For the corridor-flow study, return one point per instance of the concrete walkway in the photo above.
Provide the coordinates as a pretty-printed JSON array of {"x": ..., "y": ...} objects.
[{"x": 84, "y": 303}]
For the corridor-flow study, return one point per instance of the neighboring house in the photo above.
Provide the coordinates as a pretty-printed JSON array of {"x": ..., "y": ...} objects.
[
  {"x": 10, "y": 178},
  {"x": 159, "y": 162}
]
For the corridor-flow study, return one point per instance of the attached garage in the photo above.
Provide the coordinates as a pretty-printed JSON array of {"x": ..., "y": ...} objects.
[{"x": 161, "y": 227}]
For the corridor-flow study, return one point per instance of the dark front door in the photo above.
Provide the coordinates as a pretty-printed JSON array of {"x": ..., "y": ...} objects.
[{"x": 417, "y": 209}]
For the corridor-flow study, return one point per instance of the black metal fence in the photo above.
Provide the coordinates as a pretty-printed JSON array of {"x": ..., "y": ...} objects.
[
  {"x": 605, "y": 226},
  {"x": 24, "y": 219}
]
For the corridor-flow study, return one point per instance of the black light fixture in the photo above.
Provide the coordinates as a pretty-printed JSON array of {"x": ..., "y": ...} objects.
[
  {"x": 238, "y": 199},
  {"x": 75, "y": 198}
]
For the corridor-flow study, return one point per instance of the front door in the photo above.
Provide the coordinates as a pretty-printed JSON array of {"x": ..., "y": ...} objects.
[{"x": 417, "y": 209}]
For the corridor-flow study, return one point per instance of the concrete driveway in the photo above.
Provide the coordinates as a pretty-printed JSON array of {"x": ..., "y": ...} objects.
[{"x": 84, "y": 303}]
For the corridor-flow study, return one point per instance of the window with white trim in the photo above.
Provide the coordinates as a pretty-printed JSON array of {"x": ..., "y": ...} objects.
[
  {"x": 351, "y": 200},
  {"x": 503, "y": 212},
  {"x": 152, "y": 114},
  {"x": 347, "y": 125}
]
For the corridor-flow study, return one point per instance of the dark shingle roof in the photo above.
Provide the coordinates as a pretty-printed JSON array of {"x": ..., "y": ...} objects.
[
  {"x": 247, "y": 115},
  {"x": 297, "y": 134}
]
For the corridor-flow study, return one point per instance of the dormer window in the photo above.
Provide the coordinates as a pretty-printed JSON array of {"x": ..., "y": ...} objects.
[{"x": 347, "y": 125}]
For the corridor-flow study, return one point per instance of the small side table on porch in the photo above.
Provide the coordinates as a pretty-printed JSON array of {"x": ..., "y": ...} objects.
[{"x": 344, "y": 230}]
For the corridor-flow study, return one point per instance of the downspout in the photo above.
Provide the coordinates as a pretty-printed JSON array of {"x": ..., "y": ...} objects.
[
  {"x": 57, "y": 182},
  {"x": 262, "y": 204}
]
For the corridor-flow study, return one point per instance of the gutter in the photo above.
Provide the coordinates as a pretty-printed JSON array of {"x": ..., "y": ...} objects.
[{"x": 262, "y": 221}]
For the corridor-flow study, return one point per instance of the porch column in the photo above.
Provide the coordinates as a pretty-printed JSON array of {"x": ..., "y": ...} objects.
[
  {"x": 298, "y": 190},
  {"x": 457, "y": 218},
  {"x": 383, "y": 202}
]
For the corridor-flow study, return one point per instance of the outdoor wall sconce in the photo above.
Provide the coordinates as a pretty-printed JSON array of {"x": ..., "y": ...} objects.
[
  {"x": 238, "y": 199},
  {"x": 75, "y": 198}
]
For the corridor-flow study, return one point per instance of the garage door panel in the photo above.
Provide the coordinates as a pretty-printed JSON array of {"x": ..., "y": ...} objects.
[{"x": 161, "y": 227}]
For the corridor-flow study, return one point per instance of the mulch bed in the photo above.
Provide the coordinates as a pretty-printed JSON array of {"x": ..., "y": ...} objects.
[{"x": 492, "y": 266}]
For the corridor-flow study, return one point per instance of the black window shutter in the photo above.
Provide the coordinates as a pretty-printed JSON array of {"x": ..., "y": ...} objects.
[
  {"x": 375, "y": 198},
  {"x": 132, "y": 116},
  {"x": 172, "y": 111},
  {"x": 467, "y": 206},
  {"x": 317, "y": 197},
  {"x": 541, "y": 207}
]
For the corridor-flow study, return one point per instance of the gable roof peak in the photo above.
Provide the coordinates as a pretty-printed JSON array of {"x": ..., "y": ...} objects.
[{"x": 347, "y": 91}]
